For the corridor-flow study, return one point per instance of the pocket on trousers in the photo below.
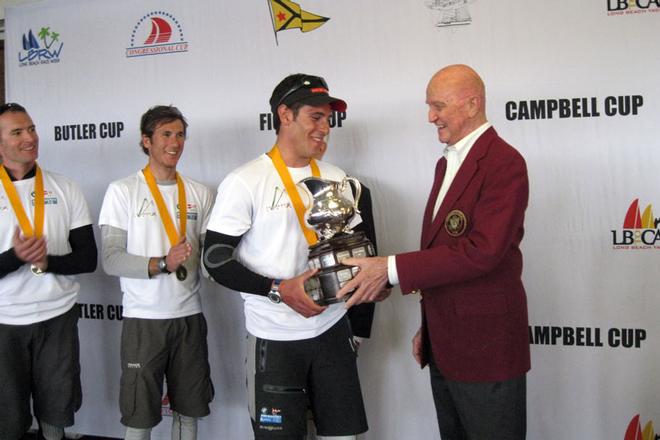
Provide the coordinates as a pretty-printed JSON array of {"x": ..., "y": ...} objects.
[{"x": 128, "y": 392}]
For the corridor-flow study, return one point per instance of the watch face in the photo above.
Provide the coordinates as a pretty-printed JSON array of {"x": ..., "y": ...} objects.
[{"x": 274, "y": 297}]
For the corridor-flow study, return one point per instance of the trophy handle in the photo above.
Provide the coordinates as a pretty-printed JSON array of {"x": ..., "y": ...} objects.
[{"x": 358, "y": 190}]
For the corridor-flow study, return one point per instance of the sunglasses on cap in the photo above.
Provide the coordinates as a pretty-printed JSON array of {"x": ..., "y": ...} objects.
[{"x": 305, "y": 82}]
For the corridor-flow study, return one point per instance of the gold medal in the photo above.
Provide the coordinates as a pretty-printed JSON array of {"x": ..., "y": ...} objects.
[
  {"x": 36, "y": 270},
  {"x": 181, "y": 273},
  {"x": 455, "y": 223}
]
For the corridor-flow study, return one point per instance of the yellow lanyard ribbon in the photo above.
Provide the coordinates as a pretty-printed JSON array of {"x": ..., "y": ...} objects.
[
  {"x": 16, "y": 204},
  {"x": 291, "y": 190},
  {"x": 165, "y": 217}
]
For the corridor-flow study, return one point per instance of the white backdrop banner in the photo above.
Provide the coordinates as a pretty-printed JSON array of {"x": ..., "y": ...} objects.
[{"x": 572, "y": 85}]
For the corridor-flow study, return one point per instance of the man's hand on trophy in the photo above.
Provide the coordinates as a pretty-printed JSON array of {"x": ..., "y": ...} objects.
[
  {"x": 370, "y": 283},
  {"x": 293, "y": 295}
]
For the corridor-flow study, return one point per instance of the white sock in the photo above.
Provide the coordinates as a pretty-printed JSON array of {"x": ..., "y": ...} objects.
[
  {"x": 183, "y": 427},
  {"x": 137, "y": 433},
  {"x": 51, "y": 432}
]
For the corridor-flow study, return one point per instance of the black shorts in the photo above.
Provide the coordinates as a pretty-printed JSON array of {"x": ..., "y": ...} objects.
[
  {"x": 157, "y": 349},
  {"x": 41, "y": 360},
  {"x": 285, "y": 377}
]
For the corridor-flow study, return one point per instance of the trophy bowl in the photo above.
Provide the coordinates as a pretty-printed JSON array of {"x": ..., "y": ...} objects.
[{"x": 329, "y": 215}]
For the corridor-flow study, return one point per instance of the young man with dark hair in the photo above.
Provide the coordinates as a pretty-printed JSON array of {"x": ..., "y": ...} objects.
[
  {"x": 299, "y": 353},
  {"x": 153, "y": 225},
  {"x": 46, "y": 237}
]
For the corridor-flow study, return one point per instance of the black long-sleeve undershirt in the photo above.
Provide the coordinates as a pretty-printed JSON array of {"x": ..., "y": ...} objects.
[
  {"x": 219, "y": 261},
  {"x": 81, "y": 259}
]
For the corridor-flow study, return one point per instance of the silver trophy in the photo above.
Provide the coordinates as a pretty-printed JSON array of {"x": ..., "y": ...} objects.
[{"x": 329, "y": 215}]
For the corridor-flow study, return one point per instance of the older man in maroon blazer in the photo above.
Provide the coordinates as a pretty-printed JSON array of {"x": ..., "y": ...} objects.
[{"x": 474, "y": 309}]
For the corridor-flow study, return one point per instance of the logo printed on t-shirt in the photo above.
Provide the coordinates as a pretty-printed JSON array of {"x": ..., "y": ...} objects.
[
  {"x": 279, "y": 201},
  {"x": 147, "y": 208}
]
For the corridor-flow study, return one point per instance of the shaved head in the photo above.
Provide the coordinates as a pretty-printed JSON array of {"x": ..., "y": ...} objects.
[{"x": 456, "y": 97}]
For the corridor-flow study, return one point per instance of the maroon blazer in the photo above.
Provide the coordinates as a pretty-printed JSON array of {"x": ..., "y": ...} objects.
[{"x": 474, "y": 307}]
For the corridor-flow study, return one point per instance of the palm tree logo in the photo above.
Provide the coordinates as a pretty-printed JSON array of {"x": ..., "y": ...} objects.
[{"x": 45, "y": 33}]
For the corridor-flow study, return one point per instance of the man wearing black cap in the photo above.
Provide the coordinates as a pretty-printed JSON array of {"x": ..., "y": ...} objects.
[{"x": 299, "y": 353}]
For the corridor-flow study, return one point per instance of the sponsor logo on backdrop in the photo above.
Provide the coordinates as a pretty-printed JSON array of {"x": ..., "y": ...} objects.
[
  {"x": 36, "y": 53},
  {"x": 584, "y": 107},
  {"x": 286, "y": 15},
  {"x": 266, "y": 120},
  {"x": 635, "y": 431},
  {"x": 110, "y": 312},
  {"x": 156, "y": 33},
  {"x": 77, "y": 132},
  {"x": 567, "y": 336},
  {"x": 450, "y": 12},
  {"x": 640, "y": 229},
  {"x": 629, "y": 7}
]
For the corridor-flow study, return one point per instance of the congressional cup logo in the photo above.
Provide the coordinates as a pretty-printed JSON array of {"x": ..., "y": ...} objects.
[
  {"x": 635, "y": 431},
  {"x": 44, "y": 50},
  {"x": 450, "y": 12},
  {"x": 156, "y": 33},
  {"x": 640, "y": 229},
  {"x": 628, "y": 7}
]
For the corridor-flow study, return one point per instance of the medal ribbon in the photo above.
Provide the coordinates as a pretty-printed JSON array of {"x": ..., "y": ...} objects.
[
  {"x": 291, "y": 190},
  {"x": 16, "y": 204},
  {"x": 165, "y": 217}
]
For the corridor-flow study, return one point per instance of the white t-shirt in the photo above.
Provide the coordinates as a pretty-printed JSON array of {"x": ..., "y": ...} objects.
[
  {"x": 24, "y": 297},
  {"x": 252, "y": 202},
  {"x": 129, "y": 205}
]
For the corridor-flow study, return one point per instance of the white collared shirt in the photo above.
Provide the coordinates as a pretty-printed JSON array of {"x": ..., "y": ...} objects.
[{"x": 455, "y": 155}]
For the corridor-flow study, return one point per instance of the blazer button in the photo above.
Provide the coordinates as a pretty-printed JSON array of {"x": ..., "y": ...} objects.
[{"x": 416, "y": 292}]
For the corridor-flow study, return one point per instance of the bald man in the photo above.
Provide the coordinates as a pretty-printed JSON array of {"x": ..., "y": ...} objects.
[{"x": 468, "y": 271}]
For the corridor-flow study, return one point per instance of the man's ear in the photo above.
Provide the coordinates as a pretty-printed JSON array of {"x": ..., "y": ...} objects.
[
  {"x": 146, "y": 141},
  {"x": 285, "y": 114}
]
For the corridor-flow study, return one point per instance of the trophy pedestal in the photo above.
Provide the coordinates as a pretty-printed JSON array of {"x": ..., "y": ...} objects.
[{"x": 327, "y": 256}]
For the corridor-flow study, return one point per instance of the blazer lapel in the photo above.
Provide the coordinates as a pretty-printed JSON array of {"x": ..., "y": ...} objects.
[
  {"x": 465, "y": 174},
  {"x": 440, "y": 168}
]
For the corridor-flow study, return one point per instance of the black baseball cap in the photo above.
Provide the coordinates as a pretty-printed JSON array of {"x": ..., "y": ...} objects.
[{"x": 306, "y": 89}]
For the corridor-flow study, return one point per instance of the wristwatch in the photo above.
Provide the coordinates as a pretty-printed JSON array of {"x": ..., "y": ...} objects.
[
  {"x": 162, "y": 265},
  {"x": 274, "y": 294}
]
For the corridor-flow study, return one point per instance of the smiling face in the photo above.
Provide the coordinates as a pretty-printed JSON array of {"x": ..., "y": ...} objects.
[
  {"x": 303, "y": 136},
  {"x": 165, "y": 148},
  {"x": 455, "y": 98},
  {"x": 19, "y": 142}
]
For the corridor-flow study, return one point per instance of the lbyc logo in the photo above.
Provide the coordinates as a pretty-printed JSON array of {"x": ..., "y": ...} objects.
[
  {"x": 621, "y": 7},
  {"x": 635, "y": 432},
  {"x": 640, "y": 230},
  {"x": 47, "y": 52},
  {"x": 450, "y": 12},
  {"x": 156, "y": 33},
  {"x": 287, "y": 14}
]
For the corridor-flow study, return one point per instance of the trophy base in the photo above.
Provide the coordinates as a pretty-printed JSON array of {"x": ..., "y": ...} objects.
[{"x": 327, "y": 256}]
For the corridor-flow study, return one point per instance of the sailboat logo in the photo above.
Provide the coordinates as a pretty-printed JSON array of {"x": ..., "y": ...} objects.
[
  {"x": 450, "y": 12},
  {"x": 156, "y": 33},
  {"x": 635, "y": 431},
  {"x": 45, "y": 52},
  {"x": 640, "y": 229}
]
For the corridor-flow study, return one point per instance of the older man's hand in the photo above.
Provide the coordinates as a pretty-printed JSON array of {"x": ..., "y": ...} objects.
[{"x": 370, "y": 283}]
